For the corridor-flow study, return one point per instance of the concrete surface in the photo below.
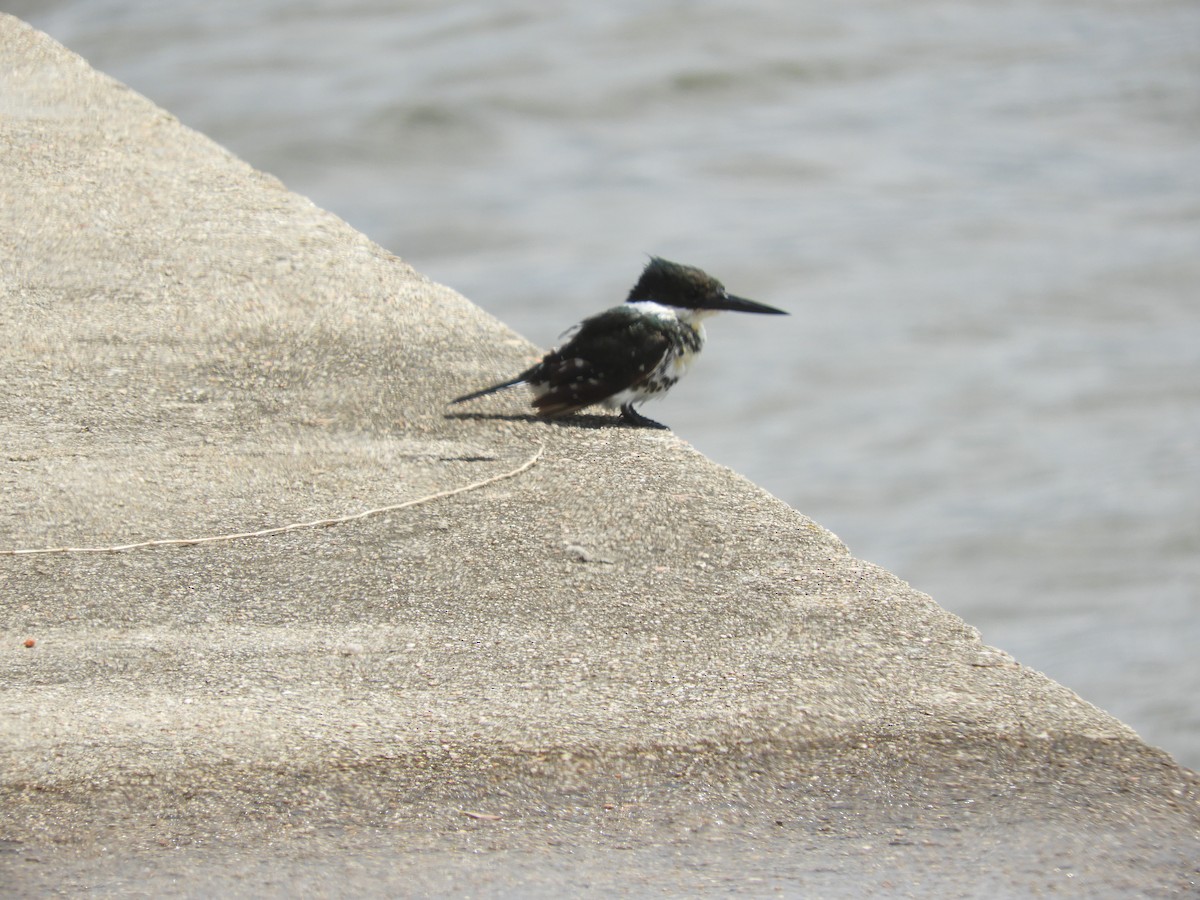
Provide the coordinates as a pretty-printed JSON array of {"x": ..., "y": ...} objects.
[{"x": 625, "y": 669}]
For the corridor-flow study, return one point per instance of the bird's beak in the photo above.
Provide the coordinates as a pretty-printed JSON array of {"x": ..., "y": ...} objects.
[{"x": 741, "y": 304}]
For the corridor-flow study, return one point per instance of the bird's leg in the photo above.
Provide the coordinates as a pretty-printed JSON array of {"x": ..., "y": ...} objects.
[{"x": 637, "y": 420}]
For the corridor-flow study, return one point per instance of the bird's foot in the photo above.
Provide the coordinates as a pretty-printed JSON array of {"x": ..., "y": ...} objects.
[{"x": 637, "y": 420}]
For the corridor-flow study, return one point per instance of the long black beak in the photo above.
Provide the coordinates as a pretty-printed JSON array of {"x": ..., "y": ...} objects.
[{"x": 741, "y": 304}]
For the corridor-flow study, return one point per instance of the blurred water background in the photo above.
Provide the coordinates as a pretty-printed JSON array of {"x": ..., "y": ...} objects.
[{"x": 985, "y": 219}]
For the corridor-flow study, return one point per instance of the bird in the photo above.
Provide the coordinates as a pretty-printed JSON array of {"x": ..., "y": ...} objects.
[{"x": 632, "y": 352}]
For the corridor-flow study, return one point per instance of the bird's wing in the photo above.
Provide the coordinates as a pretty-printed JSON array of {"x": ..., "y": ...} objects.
[{"x": 609, "y": 353}]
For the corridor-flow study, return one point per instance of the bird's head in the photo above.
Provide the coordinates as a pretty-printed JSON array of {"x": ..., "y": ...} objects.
[{"x": 689, "y": 288}]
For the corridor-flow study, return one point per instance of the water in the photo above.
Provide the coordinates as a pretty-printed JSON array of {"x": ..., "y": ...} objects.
[{"x": 984, "y": 217}]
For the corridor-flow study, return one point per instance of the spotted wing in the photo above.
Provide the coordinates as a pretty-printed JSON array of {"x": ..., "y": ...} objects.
[{"x": 609, "y": 353}]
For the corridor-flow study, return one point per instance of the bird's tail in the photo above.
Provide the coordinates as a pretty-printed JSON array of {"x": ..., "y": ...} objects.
[{"x": 520, "y": 379}]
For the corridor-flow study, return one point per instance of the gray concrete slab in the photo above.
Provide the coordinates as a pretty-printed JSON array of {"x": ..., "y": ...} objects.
[{"x": 623, "y": 669}]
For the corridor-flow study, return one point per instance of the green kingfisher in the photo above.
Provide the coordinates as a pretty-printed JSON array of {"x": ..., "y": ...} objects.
[{"x": 632, "y": 352}]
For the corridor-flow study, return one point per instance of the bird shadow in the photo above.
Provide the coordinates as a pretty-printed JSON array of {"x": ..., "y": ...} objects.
[{"x": 572, "y": 421}]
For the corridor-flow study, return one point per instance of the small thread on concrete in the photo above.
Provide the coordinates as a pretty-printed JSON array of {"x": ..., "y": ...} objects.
[{"x": 296, "y": 526}]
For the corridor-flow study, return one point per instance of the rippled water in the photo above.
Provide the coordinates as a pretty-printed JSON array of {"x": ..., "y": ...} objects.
[{"x": 984, "y": 217}]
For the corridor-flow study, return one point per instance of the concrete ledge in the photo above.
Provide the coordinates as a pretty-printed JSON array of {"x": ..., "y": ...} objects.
[{"x": 626, "y": 668}]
